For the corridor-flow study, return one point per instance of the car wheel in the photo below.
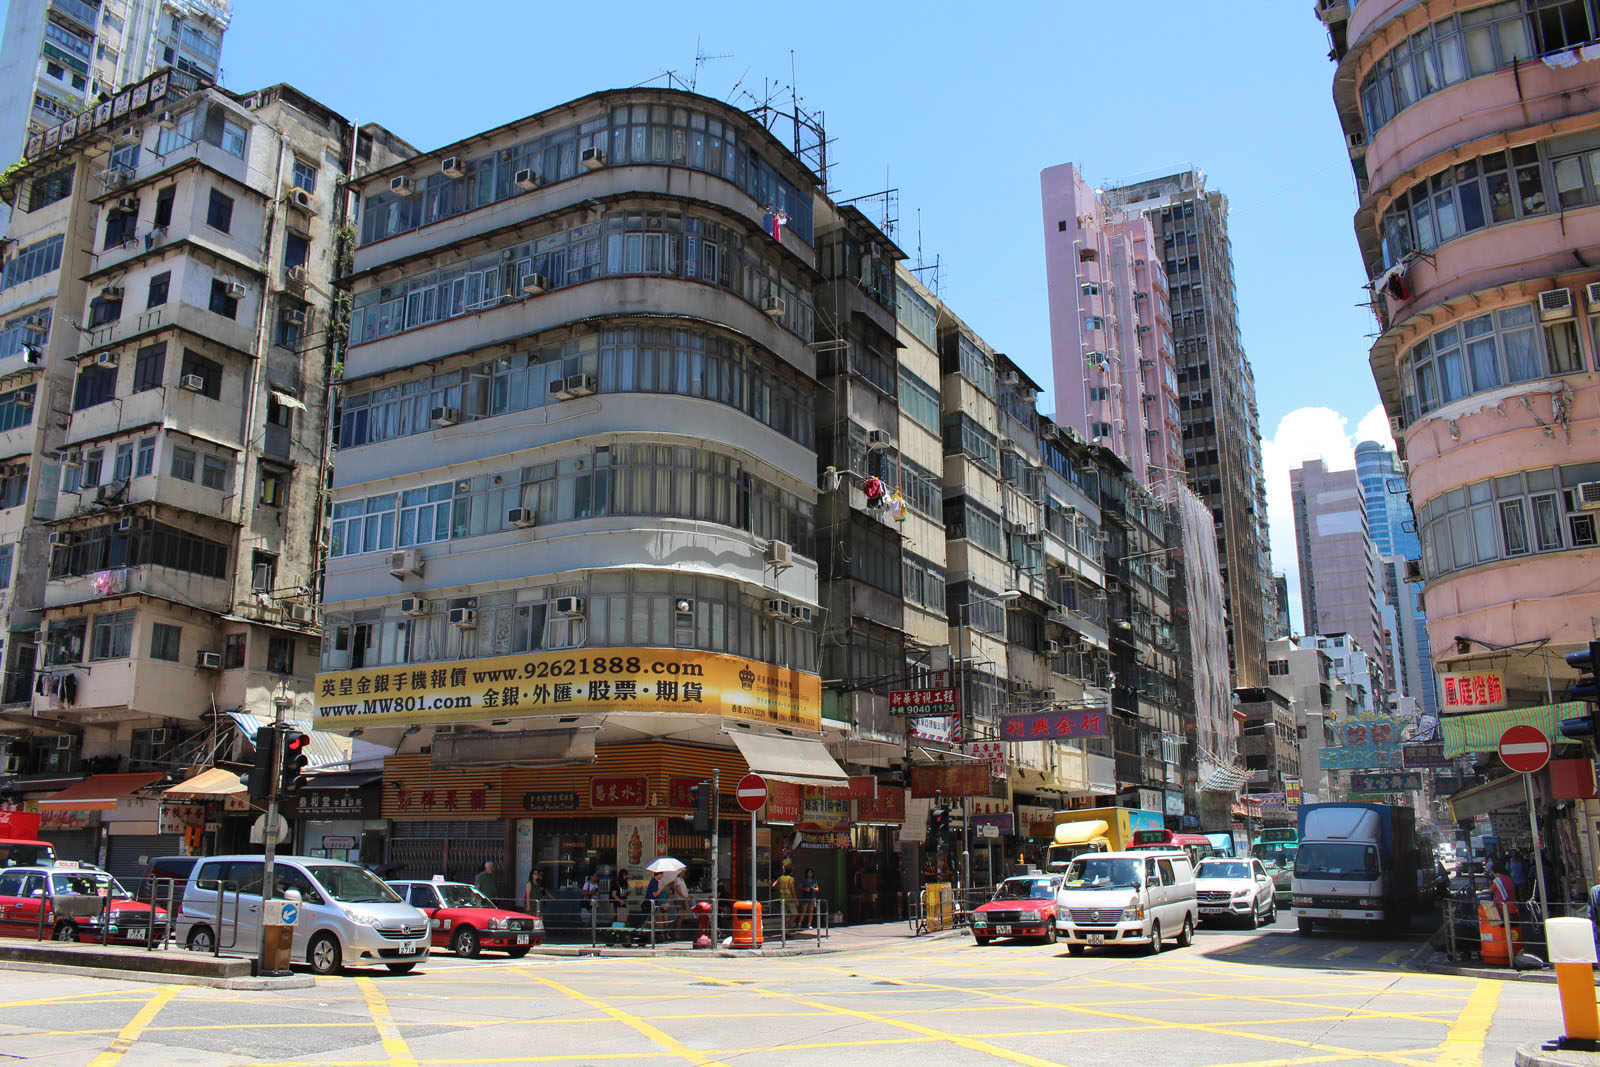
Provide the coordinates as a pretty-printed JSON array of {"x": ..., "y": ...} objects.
[
  {"x": 201, "y": 939},
  {"x": 1050, "y": 933},
  {"x": 518, "y": 952},
  {"x": 1075, "y": 950},
  {"x": 1272, "y": 911},
  {"x": 980, "y": 940},
  {"x": 1155, "y": 939},
  {"x": 323, "y": 954},
  {"x": 400, "y": 968},
  {"x": 1186, "y": 935},
  {"x": 1305, "y": 927},
  {"x": 465, "y": 943},
  {"x": 65, "y": 932}
]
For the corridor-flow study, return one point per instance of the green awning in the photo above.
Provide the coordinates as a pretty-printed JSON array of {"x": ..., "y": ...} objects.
[{"x": 1480, "y": 731}]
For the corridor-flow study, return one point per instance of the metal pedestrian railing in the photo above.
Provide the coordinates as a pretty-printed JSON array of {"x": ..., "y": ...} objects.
[
  {"x": 1478, "y": 929},
  {"x": 675, "y": 922}
]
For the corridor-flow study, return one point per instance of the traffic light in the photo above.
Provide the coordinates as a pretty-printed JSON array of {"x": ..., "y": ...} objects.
[
  {"x": 939, "y": 822},
  {"x": 1584, "y": 727},
  {"x": 296, "y": 753},
  {"x": 258, "y": 780},
  {"x": 700, "y": 820}
]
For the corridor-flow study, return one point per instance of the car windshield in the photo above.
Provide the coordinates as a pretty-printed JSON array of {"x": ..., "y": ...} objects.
[
  {"x": 1212, "y": 869},
  {"x": 1024, "y": 888},
  {"x": 1337, "y": 861},
  {"x": 353, "y": 885},
  {"x": 86, "y": 883},
  {"x": 26, "y": 854},
  {"x": 463, "y": 896},
  {"x": 1277, "y": 853},
  {"x": 1102, "y": 872}
]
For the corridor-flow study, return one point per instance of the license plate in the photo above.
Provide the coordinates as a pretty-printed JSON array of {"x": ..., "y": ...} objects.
[
  {"x": 1335, "y": 914},
  {"x": 408, "y": 947},
  {"x": 135, "y": 935},
  {"x": 1002, "y": 930},
  {"x": 522, "y": 939},
  {"x": 1097, "y": 939}
]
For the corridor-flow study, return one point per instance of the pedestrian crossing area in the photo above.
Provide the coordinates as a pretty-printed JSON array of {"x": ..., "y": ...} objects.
[{"x": 1289, "y": 948}]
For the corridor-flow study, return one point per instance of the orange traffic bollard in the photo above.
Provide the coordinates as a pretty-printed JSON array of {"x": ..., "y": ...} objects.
[{"x": 1573, "y": 953}]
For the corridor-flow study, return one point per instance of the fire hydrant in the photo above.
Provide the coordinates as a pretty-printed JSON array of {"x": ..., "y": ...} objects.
[{"x": 702, "y": 915}]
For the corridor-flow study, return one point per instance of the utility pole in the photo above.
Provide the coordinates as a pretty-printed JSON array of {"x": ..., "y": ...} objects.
[
  {"x": 269, "y": 832},
  {"x": 716, "y": 826}
]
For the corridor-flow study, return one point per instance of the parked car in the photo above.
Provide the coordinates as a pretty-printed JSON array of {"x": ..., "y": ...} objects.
[
  {"x": 1023, "y": 906},
  {"x": 467, "y": 922},
  {"x": 1240, "y": 890},
  {"x": 347, "y": 916},
  {"x": 175, "y": 868},
  {"x": 72, "y": 900},
  {"x": 1122, "y": 898}
]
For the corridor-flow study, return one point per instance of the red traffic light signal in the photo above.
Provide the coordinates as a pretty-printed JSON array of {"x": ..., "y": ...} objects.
[{"x": 296, "y": 754}]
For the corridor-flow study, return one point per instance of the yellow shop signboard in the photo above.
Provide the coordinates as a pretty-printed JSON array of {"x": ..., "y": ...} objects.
[{"x": 574, "y": 682}]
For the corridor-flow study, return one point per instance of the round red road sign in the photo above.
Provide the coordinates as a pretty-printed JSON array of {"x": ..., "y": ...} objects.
[
  {"x": 752, "y": 792},
  {"x": 1524, "y": 748}
]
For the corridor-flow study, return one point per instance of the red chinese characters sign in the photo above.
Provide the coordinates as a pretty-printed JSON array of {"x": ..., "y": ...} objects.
[
  {"x": 958, "y": 780},
  {"x": 618, "y": 792},
  {"x": 443, "y": 802},
  {"x": 888, "y": 807},
  {"x": 924, "y": 702},
  {"x": 1474, "y": 691},
  {"x": 1046, "y": 726},
  {"x": 783, "y": 803},
  {"x": 679, "y": 792}
]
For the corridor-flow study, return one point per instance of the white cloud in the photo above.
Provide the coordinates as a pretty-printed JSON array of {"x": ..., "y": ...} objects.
[{"x": 1302, "y": 434}]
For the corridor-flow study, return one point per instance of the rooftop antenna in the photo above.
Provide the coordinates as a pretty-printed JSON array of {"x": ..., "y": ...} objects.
[{"x": 700, "y": 60}]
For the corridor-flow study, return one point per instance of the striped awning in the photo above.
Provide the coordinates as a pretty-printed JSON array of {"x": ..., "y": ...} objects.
[
  {"x": 324, "y": 750},
  {"x": 1480, "y": 731}
]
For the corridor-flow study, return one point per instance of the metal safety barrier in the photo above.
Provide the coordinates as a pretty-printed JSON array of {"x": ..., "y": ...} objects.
[{"x": 1496, "y": 934}]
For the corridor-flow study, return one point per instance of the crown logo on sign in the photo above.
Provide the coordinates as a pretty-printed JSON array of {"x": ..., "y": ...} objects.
[{"x": 747, "y": 677}]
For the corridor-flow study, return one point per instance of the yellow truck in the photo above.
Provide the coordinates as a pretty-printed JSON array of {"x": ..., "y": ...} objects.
[{"x": 1097, "y": 830}]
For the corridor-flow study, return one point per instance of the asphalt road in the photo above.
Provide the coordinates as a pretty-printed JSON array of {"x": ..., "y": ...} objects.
[{"x": 1237, "y": 998}]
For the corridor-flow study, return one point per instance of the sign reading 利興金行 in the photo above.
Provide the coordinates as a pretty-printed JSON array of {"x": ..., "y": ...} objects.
[{"x": 586, "y": 681}]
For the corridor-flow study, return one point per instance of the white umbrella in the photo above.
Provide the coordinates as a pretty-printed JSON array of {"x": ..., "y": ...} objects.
[{"x": 665, "y": 865}]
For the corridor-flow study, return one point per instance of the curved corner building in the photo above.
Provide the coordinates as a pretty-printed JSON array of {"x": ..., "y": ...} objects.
[
  {"x": 1475, "y": 140},
  {"x": 572, "y": 549}
]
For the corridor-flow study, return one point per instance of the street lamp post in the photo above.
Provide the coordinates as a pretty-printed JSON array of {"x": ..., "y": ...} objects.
[{"x": 963, "y": 622}]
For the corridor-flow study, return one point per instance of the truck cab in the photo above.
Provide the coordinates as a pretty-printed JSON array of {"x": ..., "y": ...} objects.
[{"x": 1355, "y": 862}]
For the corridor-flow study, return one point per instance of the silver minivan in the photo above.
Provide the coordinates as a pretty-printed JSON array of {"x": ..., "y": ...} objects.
[
  {"x": 348, "y": 917},
  {"x": 1121, "y": 898}
]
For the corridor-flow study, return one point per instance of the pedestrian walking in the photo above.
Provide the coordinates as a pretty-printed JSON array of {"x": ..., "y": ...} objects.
[
  {"x": 1519, "y": 875},
  {"x": 784, "y": 888},
  {"x": 487, "y": 882},
  {"x": 534, "y": 893},
  {"x": 588, "y": 895},
  {"x": 810, "y": 892},
  {"x": 619, "y": 897}
]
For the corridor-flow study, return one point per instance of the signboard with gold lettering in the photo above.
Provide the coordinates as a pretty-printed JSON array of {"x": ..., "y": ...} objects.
[{"x": 575, "y": 682}]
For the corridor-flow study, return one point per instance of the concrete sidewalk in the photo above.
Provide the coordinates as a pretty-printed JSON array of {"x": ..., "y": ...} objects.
[
  {"x": 857, "y": 938},
  {"x": 172, "y": 965}
]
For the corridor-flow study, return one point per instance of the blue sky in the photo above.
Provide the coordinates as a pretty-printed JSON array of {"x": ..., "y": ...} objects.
[{"x": 960, "y": 114}]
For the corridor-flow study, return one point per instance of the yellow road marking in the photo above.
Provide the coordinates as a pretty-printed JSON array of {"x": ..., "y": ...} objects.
[
  {"x": 1285, "y": 950},
  {"x": 394, "y": 1045},
  {"x": 1463, "y": 1044},
  {"x": 129, "y": 1034},
  {"x": 1336, "y": 953},
  {"x": 656, "y": 1034},
  {"x": 1392, "y": 957}
]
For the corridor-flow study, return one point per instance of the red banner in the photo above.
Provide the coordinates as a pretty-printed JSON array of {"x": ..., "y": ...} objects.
[
  {"x": 617, "y": 792},
  {"x": 861, "y": 787},
  {"x": 958, "y": 780},
  {"x": 1049, "y": 725},
  {"x": 889, "y": 806},
  {"x": 783, "y": 803}
]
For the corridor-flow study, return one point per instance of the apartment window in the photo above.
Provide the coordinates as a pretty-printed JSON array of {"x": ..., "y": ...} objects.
[
  {"x": 49, "y": 188},
  {"x": 279, "y": 413},
  {"x": 113, "y": 635},
  {"x": 1483, "y": 352},
  {"x": 233, "y": 138},
  {"x": 6, "y": 553},
  {"x": 95, "y": 385},
  {"x": 289, "y": 326},
  {"x": 122, "y": 222},
  {"x": 296, "y": 249},
  {"x": 280, "y": 655},
  {"x": 122, "y": 462},
  {"x": 222, "y": 302},
  {"x": 233, "y": 646},
  {"x": 263, "y": 571},
  {"x": 1505, "y": 517},
  {"x": 209, "y": 371},
  {"x": 105, "y": 308},
  {"x": 214, "y": 473},
  {"x": 149, "y": 367},
  {"x": 164, "y": 198},
  {"x": 164, "y": 641},
  {"x": 1277, "y": 668},
  {"x": 305, "y": 175},
  {"x": 159, "y": 284},
  {"x": 274, "y": 486},
  {"x": 183, "y": 464},
  {"x": 425, "y": 514},
  {"x": 13, "y": 485},
  {"x": 919, "y": 400},
  {"x": 16, "y": 407},
  {"x": 219, "y": 211},
  {"x": 1094, "y": 322},
  {"x": 37, "y": 259},
  {"x": 146, "y": 462}
]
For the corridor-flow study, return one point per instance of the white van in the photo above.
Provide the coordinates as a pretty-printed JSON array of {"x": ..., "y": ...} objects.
[
  {"x": 348, "y": 917},
  {"x": 1127, "y": 898}
]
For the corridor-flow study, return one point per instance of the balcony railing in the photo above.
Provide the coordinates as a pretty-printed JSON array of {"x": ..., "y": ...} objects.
[{"x": 85, "y": 15}]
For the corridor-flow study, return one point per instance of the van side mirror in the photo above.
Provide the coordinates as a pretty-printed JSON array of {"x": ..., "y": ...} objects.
[{"x": 292, "y": 894}]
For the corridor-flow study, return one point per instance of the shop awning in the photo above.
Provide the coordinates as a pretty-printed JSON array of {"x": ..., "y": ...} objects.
[
  {"x": 1081, "y": 833},
  {"x": 1480, "y": 731},
  {"x": 342, "y": 779},
  {"x": 99, "y": 792},
  {"x": 1507, "y": 792},
  {"x": 288, "y": 401},
  {"x": 213, "y": 783},
  {"x": 325, "y": 747},
  {"x": 790, "y": 759}
]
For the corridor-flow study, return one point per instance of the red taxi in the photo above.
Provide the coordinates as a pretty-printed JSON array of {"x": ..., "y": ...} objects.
[
  {"x": 73, "y": 900},
  {"x": 466, "y": 921},
  {"x": 1022, "y": 906}
]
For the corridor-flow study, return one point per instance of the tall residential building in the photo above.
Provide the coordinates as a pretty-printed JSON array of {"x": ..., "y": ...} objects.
[
  {"x": 1341, "y": 585},
  {"x": 1110, "y": 327},
  {"x": 1217, "y": 396},
  {"x": 164, "y": 365},
  {"x": 1282, "y": 624},
  {"x": 1302, "y": 672},
  {"x": 1471, "y": 129},
  {"x": 1394, "y": 532}
]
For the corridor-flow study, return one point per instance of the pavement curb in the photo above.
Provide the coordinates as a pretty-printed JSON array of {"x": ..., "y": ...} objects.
[
  {"x": 769, "y": 950},
  {"x": 1534, "y": 1054},
  {"x": 294, "y": 981}
]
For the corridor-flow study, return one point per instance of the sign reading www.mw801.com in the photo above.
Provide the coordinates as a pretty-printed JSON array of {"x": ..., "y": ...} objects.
[{"x": 581, "y": 681}]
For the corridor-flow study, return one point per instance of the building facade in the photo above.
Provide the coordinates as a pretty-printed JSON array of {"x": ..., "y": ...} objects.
[
  {"x": 1341, "y": 583},
  {"x": 1394, "y": 533}
]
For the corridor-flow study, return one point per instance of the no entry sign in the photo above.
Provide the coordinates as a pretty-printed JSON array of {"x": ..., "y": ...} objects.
[
  {"x": 752, "y": 792},
  {"x": 1525, "y": 749}
]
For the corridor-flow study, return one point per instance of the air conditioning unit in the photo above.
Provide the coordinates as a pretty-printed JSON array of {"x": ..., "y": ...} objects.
[
  {"x": 580, "y": 384},
  {"x": 778, "y": 608},
  {"x": 413, "y": 605},
  {"x": 235, "y": 290},
  {"x": 774, "y": 306},
  {"x": 195, "y": 383},
  {"x": 1414, "y": 570},
  {"x": 158, "y": 737},
  {"x": 1555, "y": 304},
  {"x": 1587, "y": 495},
  {"x": 571, "y": 607},
  {"x": 559, "y": 390},
  {"x": 1008, "y": 444},
  {"x": 779, "y": 554},
  {"x": 528, "y": 180},
  {"x": 297, "y": 277},
  {"x": 1052, "y": 648},
  {"x": 208, "y": 661},
  {"x": 451, "y": 167},
  {"x": 303, "y": 201},
  {"x": 61, "y": 537},
  {"x": 522, "y": 518},
  {"x": 401, "y": 185},
  {"x": 127, "y": 205},
  {"x": 1397, "y": 425},
  {"x": 105, "y": 359},
  {"x": 64, "y": 740},
  {"x": 23, "y": 400},
  {"x": 300, "y": 613},
  {"x": 877, "y": 439},
  {"x": 1356, "y": 143},
  {"x": 406, "y": 562},
  {"x": 534, "y": 284},
  {"x": 125, "y": 524},
  {"x": 111, "y": 292},
  {"x": 593, "y": 158},
  {"x": 69, "y": 458},
  {"x": 444, "y": 416},
  {"x": 1591, "y": 294},
  {"x": 32, "y": 355},
  {"x": 801, "y": 613},
  {"x": 464, "y": 618},
  {"x": 167, "y": 120}
]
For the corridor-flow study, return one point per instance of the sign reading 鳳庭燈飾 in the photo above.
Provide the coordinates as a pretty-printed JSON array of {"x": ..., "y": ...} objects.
[{"x": 1473, "y": 691}]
